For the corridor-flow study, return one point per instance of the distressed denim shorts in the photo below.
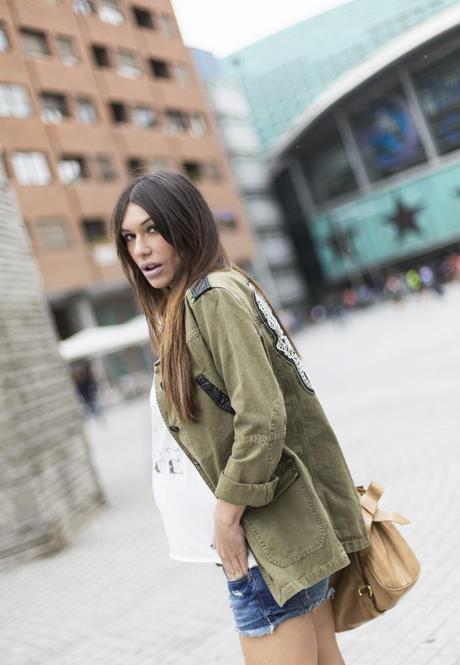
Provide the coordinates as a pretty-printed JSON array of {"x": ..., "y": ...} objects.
[{"x": 255, "y": 610}]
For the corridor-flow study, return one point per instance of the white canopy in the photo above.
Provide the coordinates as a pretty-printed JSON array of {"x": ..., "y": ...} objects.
[{"x": 100, "y": 340}]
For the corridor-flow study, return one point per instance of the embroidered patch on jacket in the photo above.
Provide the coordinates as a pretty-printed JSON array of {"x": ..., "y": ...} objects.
[
  {"x": 283, "y": 344},
  {"x": 216, "y": 394}
]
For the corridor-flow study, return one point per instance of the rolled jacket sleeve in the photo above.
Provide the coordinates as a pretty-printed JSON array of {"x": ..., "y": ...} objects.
[{"x": 236, "y": 345}]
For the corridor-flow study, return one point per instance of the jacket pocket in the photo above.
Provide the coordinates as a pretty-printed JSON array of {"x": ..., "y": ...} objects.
[
  {"x": 290, "y": 527},
  {"x": 215, "y": 393}
]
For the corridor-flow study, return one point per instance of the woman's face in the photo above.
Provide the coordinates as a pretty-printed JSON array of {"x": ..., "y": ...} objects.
[{"x": 156, "y": 258}]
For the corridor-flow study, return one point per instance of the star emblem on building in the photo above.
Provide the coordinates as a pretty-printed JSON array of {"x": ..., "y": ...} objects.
[
  {"x": 404, "y": 218},
  {"x": 340, "y": 241}
]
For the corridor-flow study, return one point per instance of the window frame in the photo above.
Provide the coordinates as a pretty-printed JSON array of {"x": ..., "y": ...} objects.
[
  {"x": 24, "y": 32},
  {"x": 111, "y": 12},
  {"x": 10, "y": 90},
  {"x": 59, "y": 114},
  {"x": 38, "y": 226},
  {"x": 66, "y": 160},
  {"x": 7, "y": 41},
  {"x": 78, "y": 103},
  {"x": 165, "y": 66},
  {"x": 133, "y": 70},
  {"x": 47, "y": 176},
  {"x": 69, "y": 59},
  {"x": 138, "y": 108},
  {"x": 146, "y": 12},
  {"x": 110, "y": 174},
  {"x": 84, "y": 224},
  {"x": 102, "y": 48}
]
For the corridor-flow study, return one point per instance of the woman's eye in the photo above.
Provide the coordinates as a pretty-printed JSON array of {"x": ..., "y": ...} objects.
[
  {"x": 127, "y": 236},
  {"x": 151, "y": 227}
]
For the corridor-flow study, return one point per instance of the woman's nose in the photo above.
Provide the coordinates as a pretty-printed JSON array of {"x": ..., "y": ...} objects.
[{"x": 141, "y": 247}]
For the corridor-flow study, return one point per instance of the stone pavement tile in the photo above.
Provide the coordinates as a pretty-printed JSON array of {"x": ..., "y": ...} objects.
[{"x": 452, "y": 648}]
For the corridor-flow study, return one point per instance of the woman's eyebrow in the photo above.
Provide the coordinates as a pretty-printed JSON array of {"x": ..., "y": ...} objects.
[{"x": 141, "y": 224}]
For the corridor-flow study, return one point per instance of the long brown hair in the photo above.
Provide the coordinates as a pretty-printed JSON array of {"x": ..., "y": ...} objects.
[{"x": 185, "y": 220}]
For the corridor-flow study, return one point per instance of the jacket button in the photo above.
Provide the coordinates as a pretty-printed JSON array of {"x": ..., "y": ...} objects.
[{"x": 173, "y": 428}]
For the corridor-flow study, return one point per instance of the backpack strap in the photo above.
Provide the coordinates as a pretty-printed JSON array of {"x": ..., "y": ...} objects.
[
  {"x": 369, "y": 499},
  {"x": 387, "y": 516}
]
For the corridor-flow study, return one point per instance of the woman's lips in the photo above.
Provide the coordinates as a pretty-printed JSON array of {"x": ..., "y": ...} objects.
[{"x": 152, "y": 272}]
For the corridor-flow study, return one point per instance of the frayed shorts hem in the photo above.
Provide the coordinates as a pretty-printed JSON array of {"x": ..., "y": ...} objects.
[{"x": 270, "y": 627}]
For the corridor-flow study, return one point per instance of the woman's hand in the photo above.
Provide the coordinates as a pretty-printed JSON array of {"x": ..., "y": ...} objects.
[{"x": 229, "y": 540}]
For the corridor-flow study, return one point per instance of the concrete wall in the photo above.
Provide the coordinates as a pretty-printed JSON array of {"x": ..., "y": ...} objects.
[{"x": 47, "y": 480}]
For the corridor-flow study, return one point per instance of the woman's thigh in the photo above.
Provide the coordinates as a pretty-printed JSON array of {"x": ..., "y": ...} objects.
[
  {"x": 328, "y": 649},
  {"x": 292, "y": 643},
  {"x": 270, "y": 633}
]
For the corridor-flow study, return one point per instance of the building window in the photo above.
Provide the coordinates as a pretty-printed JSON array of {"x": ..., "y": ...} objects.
[
  {"x": 4, "y": 41},
  {"x": 83, "y": 7},
  {"x": 14, "y": 100},
  {"x": 94, "y": 230},
  {"x": 110, "y": 12},
  {"x": 31, "y": 168},
  {"x": 160, "y": 69},
  {"x": 34, "y": 43},
  {"x": 101, "y": 56},
  {"x": 197, "y": 124},
  {"x": 192, "y": 170},
  {"x": 135, "y": 167},
  {"x": 181, "y": 74},
  {"x": 326, "y": 166},
  {"x": 119, "y": 113},
  {"x": 160, "y": 164},
  {"x": 143, "y": 116},
  {"x": 85, "y": 111},
  {"x": 66, "y": 49},
  {"x": 175, "y": 122},
  {"x": 104, "y": 168},
  {"x": 167, "y": 25},
  {"x": 439, "y": 93},
  {"x": 53, "y": 233},
  {"x": 386, "y": 134},
  {"x": 128, "y": 65},
  {"x": 143, "y": 17},
  {"x": 54, "y": 107},
  {"x": 72, "y": 169}
]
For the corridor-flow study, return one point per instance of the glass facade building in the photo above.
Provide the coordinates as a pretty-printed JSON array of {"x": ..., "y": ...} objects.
[
  {"x": 284, "y": 73},
  {"x": 374, "y": 165}
]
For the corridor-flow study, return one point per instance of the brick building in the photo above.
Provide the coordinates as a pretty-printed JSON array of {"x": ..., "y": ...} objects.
[{"x": 91, "y": 93}]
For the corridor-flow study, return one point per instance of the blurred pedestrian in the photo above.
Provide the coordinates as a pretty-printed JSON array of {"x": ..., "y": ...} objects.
[{"x": 87, "y": 388}]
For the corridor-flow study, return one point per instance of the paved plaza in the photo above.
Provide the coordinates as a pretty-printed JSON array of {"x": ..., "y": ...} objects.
[{"x": 388, "y": 379}]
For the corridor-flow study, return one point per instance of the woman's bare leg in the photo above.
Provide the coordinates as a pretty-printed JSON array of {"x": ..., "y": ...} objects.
[
  {"x": 328, "y": 649},
  {"x": 293, "y": 642}
]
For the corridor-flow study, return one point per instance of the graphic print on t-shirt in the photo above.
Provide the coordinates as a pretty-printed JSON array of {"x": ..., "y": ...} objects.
[{"x": 169, "y": 460}]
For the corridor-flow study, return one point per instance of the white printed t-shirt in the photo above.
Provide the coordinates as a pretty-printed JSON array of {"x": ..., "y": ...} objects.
[{"x": 185, "y": 501}]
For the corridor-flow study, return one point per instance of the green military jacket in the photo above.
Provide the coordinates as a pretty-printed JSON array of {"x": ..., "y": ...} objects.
[{"x": 263, "y": 439}]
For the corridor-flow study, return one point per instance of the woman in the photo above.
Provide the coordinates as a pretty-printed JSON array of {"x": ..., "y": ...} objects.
[{"x": 247, "y": 472}]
